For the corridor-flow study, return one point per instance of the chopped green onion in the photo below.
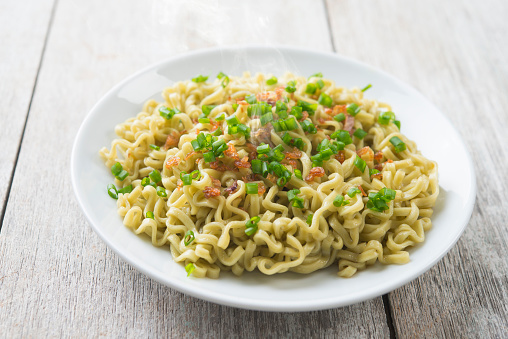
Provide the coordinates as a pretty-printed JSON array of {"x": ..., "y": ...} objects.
[
  {"x": 150, "y": 215},
  {"x": 221, "y": 75},
  {"x": 195, "y": 144},
  {"x": 298, "y": 174},
  {"x": 291, "y": 123},
  {"x": 251, "y": 226},
  {"x": 342, "y": 136},
  {"x": 386, "y": 117},
  {"x": 263, "y": 149},
  {"x": 122, "y": 175},
  {"x": 283, "y": 114},
  {"x": 145, "y": 181},
  {"x": 217, "y": 132},
  {"x": 293, "y": 193},
  {"x": 320, "y": 84},
  {"x": 126, "y": 189},
  {"x": 308, "y": 127},
  {"x": 189, "y": 238},
  {"x": 378, "y": 201},
  {"x": 266, "y": 118},
  {"x": 309, "y": 218},
  {"x": 307, "y": 106},
  {"x": 189, "y": 268},
  {"x": 225, "y": 82},
  {"x": 366, "y": 87},
  {"x": 340, "y": 201},
  {"x": 282, "y": 182},
  {"x": 200, "y": 78},
  {"x": 287, "y": 138},
  {"x": 155, "y": 176},
  {"x": 251, "y": 230},
  {"x": 204, "y": 120},
  {"x": 397, "y": 123},
  {"x": 195, "y": 175},
  {"x": 116, "y": 169},
  {"x": 360, "y": 164},
  {"x": 298, "y": 143},
  {"x": 353, "y": 191},
  {"x": 325, "y": 100},
  {"x": 297, "y": 112},
  {"x": 209, "y": 156},
  {"x": 167, "y": 113},
  {"x": 317, "y": 75},
  {"x": 373, "y": 171},
  {"x": 339, "y": 117},
  {"x": 207, "y": 109},
  {"x": 272, "y": 81},
  {"x": 360, "y": 133},
  {"x": 265, "y": 170},
  {"x": 220, "y": 117},
  {"x": 291, "y": 87},
  {"x": 155, "y": 147},
  {"x": 232, "y": 120},
  {"x": 398, "y": 144},
  {"x": 280, "y": 106},
  {"x": 294, "y": 199},
  {"x": 234, "y": 106},
  {"x": 251, "y": 99},
  {"x": 161, "y": 192},
  {"x": 297, "y": 202},
  {"x": 186, "y": 178},
  {"x": 112, "y": 191},
  {"x": 277, "y": 126},
  {"x": 353, "y": 109},
  {"x": 251, "y": 188},
  {"x": 257, "y": 166},
  {"x": 311, "y": 88}
]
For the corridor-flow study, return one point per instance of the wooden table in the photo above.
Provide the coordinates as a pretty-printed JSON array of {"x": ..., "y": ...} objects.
[{"x": 57, "y": 58}]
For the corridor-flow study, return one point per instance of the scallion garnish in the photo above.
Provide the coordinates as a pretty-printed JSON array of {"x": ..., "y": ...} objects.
[
  {"x": 291, "y": 124},
  {"x": 342, "y": 136},
  {"x": 378, "y": 201},
  {"x": 126, "y": 189},
  {"x": 220, "y": 117},
  {"x": 150, "y": 215},
  {"x": 155, "y": 147},
  {"x": 257, "y": 166},
  {"x": 204, "y": 120},
  {"x": 251, "y": 188},
  {"x": 145, "y": 181},
  {"x": 200, "y": 78},
  {"x": 317, "y": 75},
  {"x": 155, "y": 176},
  {"x": 311, "y": 88},
  {"x": 234, "y": 106},
  {"x": 291, "y": 86},
  {"x": 339, "y": 117},
  {"x": 353, "y": 109},
  {"x": 298, "y": 174},
  {"x": 251, "y": 99},
  {"x": 116, "y": 169},
  {"x": 232, "y": 120},
  {"x": 161, "y": 192},
  {"x": 340, "y": 201},
  {"x": 309, "y": 218},
  {"x": 308, "y": 127},
  {"x": 397, "y": 123},
  {"x": 122, "y": 175},
  {"x": 188, "y": 238},
  {"x": 272, "y": 81},
  {"x": 325, "y": 100},
  {"x": 263, "y": 149},
  {"x": 373, "y": 171},
  {"x": 385, "y": 118},
  {"x": 251, "y": 226},
  {"x": 294, "y": 199},
  {"x": 398, "y": 144},
  {"x": 189, "y": 268},
  {"x": 320, "y": 84},
  {"x": 112, "y": 191},
  {"x": 280, "y": 106},
  {"x": 207, "y": 109},
  {"x": 297, "y": 112},
  {"x": 353, "y": 191},
  {"x": 266, "y": 118},
  {"x": 221, "y": 75},
  {"x": 360, "y": 133},
  {"x": 168, "y": 113},
  {"x": 307, "y": 106},
  {"x": 366, "y": 87},
  {"x": 360, "y": 164},
  {"x": 209, "y": 156}
]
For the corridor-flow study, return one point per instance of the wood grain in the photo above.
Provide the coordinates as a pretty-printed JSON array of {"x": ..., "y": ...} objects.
[
  {"x": 455, "y": 53},
  {"x": 57, "y": 278},
  {"x": 23, "y": 29}
]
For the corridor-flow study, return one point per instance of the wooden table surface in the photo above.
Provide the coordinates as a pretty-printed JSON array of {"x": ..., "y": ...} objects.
[{"x": 58, "y": 57}]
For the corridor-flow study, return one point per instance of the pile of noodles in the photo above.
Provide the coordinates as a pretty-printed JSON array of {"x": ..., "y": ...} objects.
[{"x": 351, "y": 236}]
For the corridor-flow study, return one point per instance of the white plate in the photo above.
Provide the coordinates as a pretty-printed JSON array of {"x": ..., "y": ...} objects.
[{"x": 421, "y": 121}]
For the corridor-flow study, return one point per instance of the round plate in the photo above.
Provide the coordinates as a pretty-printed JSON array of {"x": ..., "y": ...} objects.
[{"x": 421, "y": 122}]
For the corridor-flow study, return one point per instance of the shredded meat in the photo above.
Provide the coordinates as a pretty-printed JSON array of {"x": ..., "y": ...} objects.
[
  {"x": 296, "y": 154},
  {"x": 215, "y": 125},
  {"x": 216, "y": 183},
  {"x": 378, "y": 156},
  {"x": 173, "y": 161},
  {"x": 305, "y": 115},
  {"x": 219, "y": 166},
  {"x": 379, "y": 167},
  {"x": 211, "y": 192},
  {"x": 361, "y": 189},
  {"x": 337, "y": 109},
  {"x": 231, "y": 152},
  {"x": 366, "y": 151},
  {"x": 291, "y": 162},
  {"x": 264, "y": 135},
  {"x": 232, "y": 188},
  {"x": 253, "y": 153},
  {"x": 341, "y": 156},
  {"x": 328, "y": 111},
  {"x": 315, "y": 172},
  {"x": 244, "y": 163},
  {"x": 349, "y": 124},
  {"x": 261, "y": 189},
  {"x": 323, "y": 120},
  {"x": 377, "y": 176},
  {"x": 172, "y": 139}
]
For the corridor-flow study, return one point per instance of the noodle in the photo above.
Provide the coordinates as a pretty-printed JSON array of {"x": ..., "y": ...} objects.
[{"x": 336, "y": 212}]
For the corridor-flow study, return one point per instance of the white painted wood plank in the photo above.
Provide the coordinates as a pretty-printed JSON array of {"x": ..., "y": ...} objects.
[
  {"x": 456, "y": 54},
  {"x": 56, "y": 277},
  {"x": 23, "y": 28}
]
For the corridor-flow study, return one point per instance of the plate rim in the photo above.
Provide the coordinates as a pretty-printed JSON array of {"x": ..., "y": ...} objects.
[{"x": 253, "y": 304}]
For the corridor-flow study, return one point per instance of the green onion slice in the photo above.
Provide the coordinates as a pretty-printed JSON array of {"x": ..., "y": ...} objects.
[
  {"x": 272, "y": 81},
  {"x": 150, "y": 215},
  {"x": 155, "y": 147},
  {"x": 366, "y": 87},
  {"x": 122, "y": 175},
  {"x": 189, "y": 268},
  {"x": 353, "y": 191},
  {"x": 398, "y": 144},
  {"x": 251, "y": 99},
  {"x": 200, "y": 78},
  {"x": 116, "y": 169},
  {"x": 112, "y": 191},
  {"x": 155, "y": 176},
  {"x": 353, "y": 109},
  {"x": 251, "y": 187},
  {"x": 360, "y": 164},
  {"x": 309, "y": 218},
  {"x": 161, "y": 192},
  {"x": 340, "y": 201},
  {"x": 325, "y": 100},
  {"x": 360, "y": 133},
  {"x": 189, "y": 238}
]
